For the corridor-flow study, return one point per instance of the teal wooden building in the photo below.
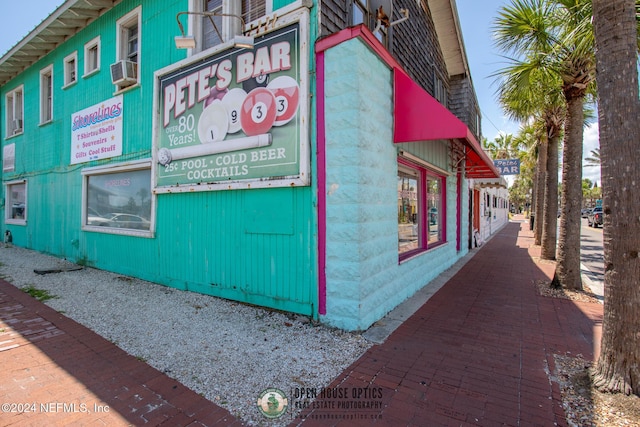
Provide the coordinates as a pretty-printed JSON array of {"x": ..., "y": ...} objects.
[{"x": 285, "y": 153}]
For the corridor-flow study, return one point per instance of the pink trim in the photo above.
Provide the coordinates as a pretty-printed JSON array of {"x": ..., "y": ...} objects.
[
  {"x": 321, "y": 46},
  {"x": 418, "y": 116},
  {"x": 458, "y": 211},
  {"x": 365, "y": 35},
  {"x": 322, "y": 185}
]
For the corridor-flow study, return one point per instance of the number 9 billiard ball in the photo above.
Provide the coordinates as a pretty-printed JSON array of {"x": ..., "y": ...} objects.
[{"x": 258, "y": 112}]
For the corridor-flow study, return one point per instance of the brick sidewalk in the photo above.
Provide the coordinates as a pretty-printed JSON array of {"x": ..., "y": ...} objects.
[
  {"x": 56, "y": 372},
  {"x": 478, "y": 352}
]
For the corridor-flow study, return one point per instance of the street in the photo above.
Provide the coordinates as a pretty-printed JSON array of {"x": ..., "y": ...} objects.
[{"x": 592, "y": 257}]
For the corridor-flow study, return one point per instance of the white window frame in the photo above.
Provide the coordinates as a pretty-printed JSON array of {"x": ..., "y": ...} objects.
[
  {"x": 70, "y": 76},
  {"x": 14, "y": 111},
  {"x": 230, "y": 26},
  {"x": 46, "y": 95},
  {"x": 9, "y": 202},
  {"x": 88, "y": 48},
  {"x": 122, "y": 42},
  {"x": 109, "y": 169}
]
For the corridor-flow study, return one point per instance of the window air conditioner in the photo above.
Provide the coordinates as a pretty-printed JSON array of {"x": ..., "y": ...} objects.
[
  {"x": 17, "y": 125},
  {"x": 124, "y": 73}
]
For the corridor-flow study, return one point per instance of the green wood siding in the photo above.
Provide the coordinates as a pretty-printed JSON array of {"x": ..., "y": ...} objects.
[{"x": 256, "y": 246}]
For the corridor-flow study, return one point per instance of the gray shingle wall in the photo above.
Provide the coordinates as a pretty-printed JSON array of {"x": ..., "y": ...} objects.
[{"x": 414, "y": 44}]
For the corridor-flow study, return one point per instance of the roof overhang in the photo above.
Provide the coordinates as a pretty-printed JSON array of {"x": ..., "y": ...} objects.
[
  {"x": 447, "y": 26},
  {"x": 420, "y": 117},
  {"x": 71, "y": 17}
]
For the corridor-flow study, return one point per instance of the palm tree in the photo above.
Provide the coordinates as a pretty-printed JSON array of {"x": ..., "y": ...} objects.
[
  {"x": 504, "y": 146},
  {"x": 531, "y": 138},
  {"x": 530, "y": 93},
  {"x": 617, "y": 34},
  {"x": 594, "y": 160},
  {"x": 555, "y": 37},
  {"x": 577, "y": 69}
]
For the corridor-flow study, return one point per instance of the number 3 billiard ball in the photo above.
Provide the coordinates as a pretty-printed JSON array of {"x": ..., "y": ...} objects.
[
  {"x": 258, "y": 112},
  {"x": 286, "y": 91}
]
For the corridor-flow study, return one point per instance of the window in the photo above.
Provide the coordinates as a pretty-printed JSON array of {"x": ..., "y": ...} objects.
[
  {"x": 211, "y": 25},
  {"x": 210, "y": 31},
  {"x": 46, "y": 95},
  {"x": 439, "y": 90},
  {"x": 253, "y": 9},
  {"x": 70, "y": 69},
  {"x": 127, "y": 49},
  {"x": 92, "y": 57},
  {"x": 359, "y": 12},
  {"x": 14, "y": 111},
  {"x": 421, "y": 210},
  {"x": 409, "y": 209},
  {"x": 363, "y": 12},
  {"x": 118, "y": 199},
  {"x": 16, "y": 203},
  {"x": 435, "y": 214}
]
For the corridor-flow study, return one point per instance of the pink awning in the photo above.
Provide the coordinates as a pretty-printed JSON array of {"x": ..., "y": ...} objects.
[{"x": 419, "y": 117}]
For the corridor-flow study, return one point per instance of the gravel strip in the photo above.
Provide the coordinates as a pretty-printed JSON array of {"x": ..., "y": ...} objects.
[
  {"x": 227, "y": 351},
  {"x": 585, "y": 406}
]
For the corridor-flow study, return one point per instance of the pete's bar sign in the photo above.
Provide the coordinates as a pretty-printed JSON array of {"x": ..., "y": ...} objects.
[
  {"x": 196, "y": 87},
  {"x": 233, "y": 116}
]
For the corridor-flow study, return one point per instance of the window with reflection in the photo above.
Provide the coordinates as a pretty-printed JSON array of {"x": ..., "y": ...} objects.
[
  {"x": 434, "y": 208},
  {"x": 16, "y": 203},
  {"x": 408, "y": 209},
  {"x": 118, "y": 198},
  {"x": 421, "y": 208}
]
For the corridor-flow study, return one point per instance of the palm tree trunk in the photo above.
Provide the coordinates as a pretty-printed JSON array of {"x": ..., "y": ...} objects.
[
  {"x": 550, "y": 214},
  {"x": 567, "y": 272},
  {"x": 540, "y": 176},
  {"x": 617, "y": 369}
]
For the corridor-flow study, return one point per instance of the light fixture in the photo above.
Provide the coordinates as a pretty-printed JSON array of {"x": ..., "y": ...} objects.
[
  {"x": 185, "y": 42},
  {"x": 246, "y": 42},
  {"x": 189, "y": 42}
]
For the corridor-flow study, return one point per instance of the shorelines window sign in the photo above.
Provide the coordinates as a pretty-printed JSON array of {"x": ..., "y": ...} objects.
[
  {"x": 96, "y": 132},
  {"x": 508, "y": 166},
  {"x": 234, "y": 119}
]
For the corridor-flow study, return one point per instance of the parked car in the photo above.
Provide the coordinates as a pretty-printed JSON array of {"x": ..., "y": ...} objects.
[
  {"x": 595, "y": 217},
  {"x": 585, "y": 212},
  {"x": 123, "y": 220}
]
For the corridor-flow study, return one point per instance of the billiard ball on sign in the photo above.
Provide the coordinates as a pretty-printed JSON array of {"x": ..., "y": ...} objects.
[
  {"x": 213, "y": 123},
  {"x": 287, "y": 94},
  {"x": 260, "y": 81},
  {"x": 233, "y": 101},
  {"x": 214, "y": 94},
  {"x": 258, "y": 112}
]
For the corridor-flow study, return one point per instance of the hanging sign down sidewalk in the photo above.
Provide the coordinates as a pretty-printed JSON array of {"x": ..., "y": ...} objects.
[{"x": 508, "y": 166}]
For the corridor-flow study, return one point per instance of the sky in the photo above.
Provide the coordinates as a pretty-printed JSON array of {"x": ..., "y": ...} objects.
[
  {"x": 476, "y": 18},
  {"x": 476, "y": 21}
]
